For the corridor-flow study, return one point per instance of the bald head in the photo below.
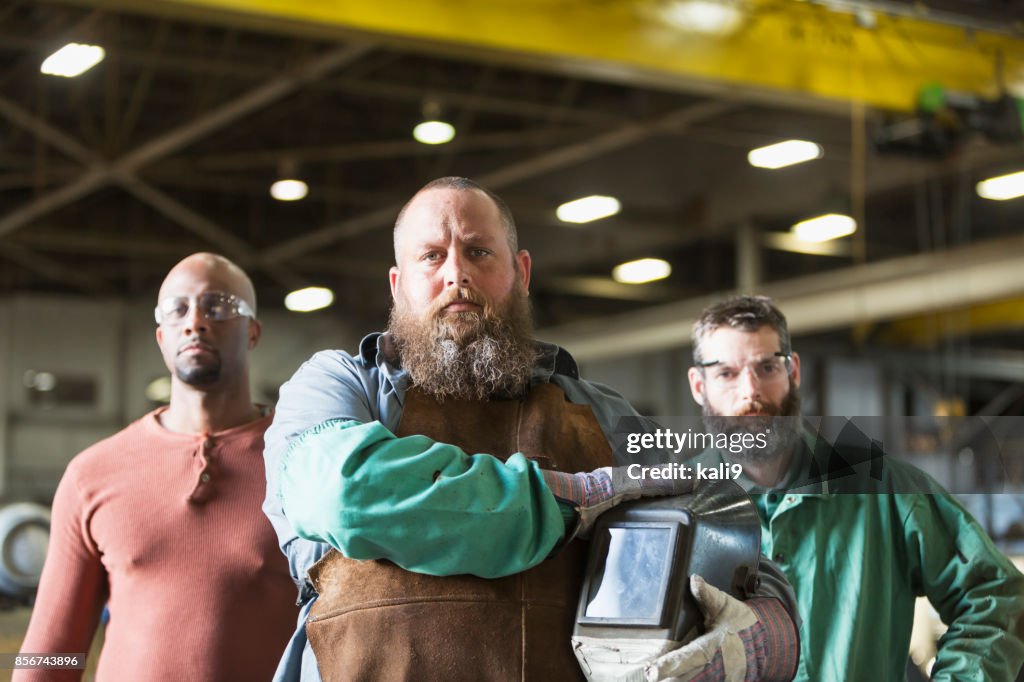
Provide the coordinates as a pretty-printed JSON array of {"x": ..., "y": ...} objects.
[
  {"x": 207, "y": 352},
  {"x": 221, "y": 273}
]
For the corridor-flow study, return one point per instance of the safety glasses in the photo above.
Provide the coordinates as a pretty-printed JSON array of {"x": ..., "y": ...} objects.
[{"x": 215, "y": 306}]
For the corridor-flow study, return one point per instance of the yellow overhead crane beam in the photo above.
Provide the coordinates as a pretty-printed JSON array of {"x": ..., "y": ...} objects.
[
  {"x": 930, "y": 329},
  {"x": 778, "y": 47}
]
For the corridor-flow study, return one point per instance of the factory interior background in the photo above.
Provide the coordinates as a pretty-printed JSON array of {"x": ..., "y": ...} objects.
[{"x": 637, "y": 143}]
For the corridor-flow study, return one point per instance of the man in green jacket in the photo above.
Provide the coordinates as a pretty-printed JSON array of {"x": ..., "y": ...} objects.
[{"x": 857, "y": 550}]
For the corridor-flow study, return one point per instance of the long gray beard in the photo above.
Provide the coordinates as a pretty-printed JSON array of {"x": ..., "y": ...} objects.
[
  {"x": 468, "y": 355},
  {"x": 782, "y": 425}
]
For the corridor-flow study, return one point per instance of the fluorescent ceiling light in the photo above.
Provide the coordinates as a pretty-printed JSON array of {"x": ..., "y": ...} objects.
[
  {"x": 308, "y": 299},
  {"x": 784, "y": 154},
  {"x": 702, "y": 16},
  {"x": 72, "y": 60},
  {"x": 289, "y": 190},
  {"x": 1003, "y": 187},
  {"x": 641, "y": 271},
  {"x": 159, "y": 390},
  {"x": 787, "y": 241},
  {"x": 588, "y": 209},
  {"x": 434, "y": 132},
  {"x": 825, "y": 227}
]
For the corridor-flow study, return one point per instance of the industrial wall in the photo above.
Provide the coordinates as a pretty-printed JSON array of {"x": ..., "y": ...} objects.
[{"x": 76, "y": 370}]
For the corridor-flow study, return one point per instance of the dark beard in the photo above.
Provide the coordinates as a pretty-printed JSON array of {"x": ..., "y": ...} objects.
[
  {"x": 467, "y": 355},
  {"x": 782, "y": 424},
  {"x": 199, "y": 375}
]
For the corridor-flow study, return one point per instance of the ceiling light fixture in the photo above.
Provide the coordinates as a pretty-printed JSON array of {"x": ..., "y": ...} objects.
[
  {"x": 289, "y": 190},
  {"x": 641, "y": 271},
  {"x": 288, "y": 186},
  {"x": 784, "y": 154},
  {"x": 72, "y": 60},
  {"x": 787, "y": 241},
  {"x": 825, "y": 227},
  {"x": 308, "y": 299},
  {"x": 702, "y": 16},
  {"x": 433, "y": 130},
  {"x": 588, "y": 209},
  {"x": 1003, "y": 187}
]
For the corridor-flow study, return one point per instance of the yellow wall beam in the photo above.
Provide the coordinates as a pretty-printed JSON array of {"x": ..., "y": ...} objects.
[{"x": 781, "y": 45}]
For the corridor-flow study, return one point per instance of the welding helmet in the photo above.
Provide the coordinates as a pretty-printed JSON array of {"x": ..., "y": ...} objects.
[{"x": 635, "y": 604}]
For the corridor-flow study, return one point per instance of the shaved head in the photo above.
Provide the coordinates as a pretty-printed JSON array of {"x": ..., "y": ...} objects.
[
  {"x": 229, "y": 277},
  {"x": 199, "y": 351}
]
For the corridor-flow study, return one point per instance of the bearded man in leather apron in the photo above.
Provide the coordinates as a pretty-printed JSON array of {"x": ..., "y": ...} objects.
[{"x": 427, "y": 490}]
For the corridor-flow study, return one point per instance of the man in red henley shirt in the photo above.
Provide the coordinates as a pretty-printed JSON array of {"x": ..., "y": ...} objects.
[{"x": 162, "y": 520}]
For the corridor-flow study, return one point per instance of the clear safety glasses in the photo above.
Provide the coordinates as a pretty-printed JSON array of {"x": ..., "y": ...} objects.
[{"x": 215, "y": 306}]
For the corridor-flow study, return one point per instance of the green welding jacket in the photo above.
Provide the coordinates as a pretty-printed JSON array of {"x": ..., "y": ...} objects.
[{"x": 859, "y": 549}]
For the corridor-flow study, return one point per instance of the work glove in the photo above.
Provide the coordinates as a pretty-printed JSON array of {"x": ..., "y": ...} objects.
[
  {"x": 595, "y": 492},
  {"x": 729, "y": 623}
]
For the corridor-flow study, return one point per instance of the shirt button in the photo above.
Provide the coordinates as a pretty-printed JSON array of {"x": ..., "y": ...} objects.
[
  {"x": 779, "y": 558},
  {"x": 208, "y": 443},
  {"x": 773, "y": 498},
  {"x": 204, "y": 477}
]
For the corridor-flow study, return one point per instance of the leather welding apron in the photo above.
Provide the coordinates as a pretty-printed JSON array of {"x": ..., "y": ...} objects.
[{"x": 376, "y": 621}]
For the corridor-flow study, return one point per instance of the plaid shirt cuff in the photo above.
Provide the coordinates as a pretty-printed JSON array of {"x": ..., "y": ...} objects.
[
  {"x": 579, "y": 490},
  {"x": 781, "y": 641},
  {"x": 772, "y": 646}
]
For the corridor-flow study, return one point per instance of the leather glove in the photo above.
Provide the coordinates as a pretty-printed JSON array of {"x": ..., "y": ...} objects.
[
  {"x": 595, "y": 492},
  {"x": 728, "y": 622}
]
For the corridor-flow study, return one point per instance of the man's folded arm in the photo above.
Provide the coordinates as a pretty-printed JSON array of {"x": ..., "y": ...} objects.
[
  {"x": 327, "y": 386},
  {"x": 429, "y": 507}
]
